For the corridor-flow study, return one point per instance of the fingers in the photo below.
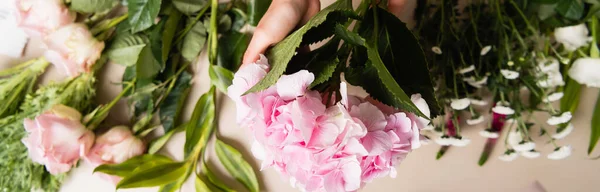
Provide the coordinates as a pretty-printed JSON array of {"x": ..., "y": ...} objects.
[{"x": 279, "y": 20}]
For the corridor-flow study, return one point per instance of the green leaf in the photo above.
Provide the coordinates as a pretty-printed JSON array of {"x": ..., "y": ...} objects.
[
  {"x": 282, "y": 53},
  {"x": 323, "y": 62},
  {"x": 200, "y": 185},
  {"x": 348, "y": 36},
  {"x": 189, "y": 7},
  {"x": 156, "y": 42},
  {"x": 213, "y": 179},
  {"x": 395, "y": 66},
  {"x": 170, "y": 109},
  {"x": 595, "y": 133},
  {"x": 545, "y": 1},
  {"x": 571, "y": 9},
  {"x": 126, "y": 168},
  {"x": 126, "y": 48},
  {"x": 91, "y": 6},
  {"x": 256, "y": 10},
  {"x": 232, "y": 46},
  {"x": 239, "y": 19},
  {"x": 142, "y": 13},
  {"x": 220, "y": 77},
  {"x": 155, "y": 176},
  {"x": 194, "y": 42},
  {"x": 171, "y": 27},
  {"x": 200, "y": 126},
  {"x": 570, "y": 100},
  {"x": 235, "y": 164},
  {"x": 147, "y": 67}
]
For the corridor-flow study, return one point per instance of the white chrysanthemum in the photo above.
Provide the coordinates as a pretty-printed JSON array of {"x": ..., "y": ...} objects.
[
  {"x": 531, "y": 154},
  {"x": 460, "y": 104},
  {"x": 475, "y": 120},
  {"x": 553, "y": 97},
  {"x": 559, "y": 119},
  {"x": 444, "y": 140},
  {"x": 515, "y": 139},
  {"x": 572, "y": 37},
  {"x": 509, "y": 74},
  {"x": 436, "y": 50},
  {"x": 549, "y": 64},
  {"x": 508, "y": 156},
  {"x": 489, "y": 134},
  {"x": 524, "y": 146},
  {"x": 477, "y": 83},
  {"x": 564, "y": 132},
  {"x": 560, "y": 153},
  {"x": 503, "y": 110},
  {"x": 586, "y": 71},
  {"x": 460, "y": 142},
  {"x": 551, "y": 79},
  {"x": 485, "y": 50},
  {"x": 466, "y": 69},
  {"x": 478, "y": 102}
]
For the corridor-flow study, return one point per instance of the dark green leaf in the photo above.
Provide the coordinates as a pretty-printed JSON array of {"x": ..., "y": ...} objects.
[
  {"x": 200, "y": 126},
  {"x": 536, "y": 92},
  {"x": 171, "y": 27},
  {"x": 348, "y": 36},
  {"x": 170, "y": 109},
  {"x": 256, "y": 10},
  {"x": 194, "y": 42},
  {"x": 546, "y": 11},
  {"x": 595, "y": 133},
  {"x": 220, "y": 77},
  {"x": 91, "y": 6},
  {"x": 189, "y": 7},
  {"x": 142, "y": 13},
  {"x": 545, "y": 1},
  {"x": 323, "y": 62},
  {"x": 147, "y": 66},
  {"x": 156, "y": 43},
  {"x": 126, "y": 168},
  {"x": 571, "y": 9},
  {"x": 155, "y": 176},
  {"x": 570, "y": 101},
  {"x": 224, "y": 23},
  {"x": 282, "y": 53},
  {"x": 235, "y": 164},
  {"x": 232, "y": 46},
  {"x": 213, "y": 179},
  {"x": 126, "y": 48},
  {"x": 200, "y": 185},
  {"x": 239, "y": 19}
]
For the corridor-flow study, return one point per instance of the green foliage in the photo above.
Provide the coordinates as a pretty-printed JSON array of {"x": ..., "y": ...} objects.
[
  {"x": 256, "y": 10},
  {"x": 170, "y": 109},
  {"x": 235, "y": 164},
  {"x": 595, "y": 133},
  {"x": 194, "y": 41},
  {"x": 158, "y": 143},
  {"x": 156, "y": 175},
  {"x": 128, "y": 167},
  {"x": 232, "y": 46},
  {"x": 220, "y": 77},
  {"x": 142, "y": 13},
  {"x": 201, "y": 124},
  {"x": 147, "y": 67},
  {"x": 189, "y": 7},
  {"x": 571, "y": 9},
  {"x": 92, "y": 6},
  {"x": 126, "y": 48}
]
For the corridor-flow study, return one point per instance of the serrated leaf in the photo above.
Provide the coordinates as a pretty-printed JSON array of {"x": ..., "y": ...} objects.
[
  {"x": 200, "y": 126},
  {"x": 595, "y": 133},
  {"x": 91, "y": 6},
  {"x": 142, "y": 13},
  {"x": 189, "y": 7},
  {"x": 256, "y": 10},
  {"x": 571, "y": 9},
  {"x": 348, "y": 36},
  {"x": 155, "y": 176},
  {"x": 220, "y": 77},
  {"x": 232, "y": 46},
  {"x": 126, "y": 168},
  {"x": 235, "y": 164},
  {"x": 126, "y": 48},
  {"x": 282, "y": 53},
  {"x": 170, "y": 109},
  {"x": 194, "y": 41}
]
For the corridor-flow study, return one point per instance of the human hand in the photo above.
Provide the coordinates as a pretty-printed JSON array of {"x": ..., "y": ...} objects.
[{"x": 284, "y": 15}]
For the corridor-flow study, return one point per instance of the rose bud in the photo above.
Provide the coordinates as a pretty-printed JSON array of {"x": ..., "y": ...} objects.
[{"x": 41, "y": 17}]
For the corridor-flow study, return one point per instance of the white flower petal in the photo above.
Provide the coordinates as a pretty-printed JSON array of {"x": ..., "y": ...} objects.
[
  {"x": 478, "y": 83},
  {"x": 444, "y": 140},
  {"x": 564, "y": 132},
  {"x": 553, "y": 97},
  {"x": 460, "y": 142},
  {"x": 559, "y": 119},
  {"x": 552, "y": 79},
  {"x": 509, "y": 74},
  {"x": 586, "y": 71},
  {"x": 526, "y": 146},
  {"x": 466, "y": 69},
  {"x": 572, "y": 37},
  {"x": 428, "y": 128},
  {"x": 489, "y": 134},
  {"x": 549, "y": 64},
  {"x": 503, "y": 110},
  {"x": 475, "y": 121},
  {"x": 436, "y": 50},
  {"x": 485, "y": 50},
  {"x": 514, "y": 138},
  {"x": 478, "y": 102},
  {"x": 560, "y": 153},
  {"x": 511, "y": 156},
  {"x": 460, "y": 104},
  {"x": 531, "y": 154}
]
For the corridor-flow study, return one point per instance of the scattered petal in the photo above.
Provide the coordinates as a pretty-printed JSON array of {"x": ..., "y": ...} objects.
[
  {"x": 560, "y": 153},
  {"x": 503, "y": 110},
  {"x": 466, "y": 69},
  {"x": 436, "y": 50},
  {"x": 485, "y": 50},
  {"x": 509, "y": 74}
]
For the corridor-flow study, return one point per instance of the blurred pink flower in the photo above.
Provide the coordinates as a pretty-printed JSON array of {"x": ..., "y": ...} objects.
[
  {"x": 57, "y": 139},
  {"x": 73, "y": 49},
  {"x": 114, "y": 147},
  {"x": 41, "y": 17},
  {"x": 319, "y": 147}
]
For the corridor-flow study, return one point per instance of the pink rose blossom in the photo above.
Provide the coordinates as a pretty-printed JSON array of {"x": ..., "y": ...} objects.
[
  {"x": 114, "y": 147},
  {"x": 57, "y": 139},
  {"x": 318, "y": 146},
  {"x": 41, "y": 17},
  {"x": 73, "y": 49}
]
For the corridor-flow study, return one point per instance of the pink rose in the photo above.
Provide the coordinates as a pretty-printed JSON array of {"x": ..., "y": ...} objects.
[
  {"x": 57, "y": 139},
  {"x": 41, "y": 17},
  {"x": 113, "y": 147},
  {"x": 73, "y": 49}
]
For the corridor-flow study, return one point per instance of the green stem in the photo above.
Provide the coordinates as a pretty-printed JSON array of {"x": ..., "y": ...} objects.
[
  {"x": 213, "y": 34},
  {"x": 19, "y": 68},
  {"x": 191, "y": 25},
  {"x": 108, "y": 24},
  {"x": 103, "y": 113}
]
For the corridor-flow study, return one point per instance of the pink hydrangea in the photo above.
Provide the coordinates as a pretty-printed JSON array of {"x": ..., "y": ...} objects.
[{"x": 319, "y": 147}]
